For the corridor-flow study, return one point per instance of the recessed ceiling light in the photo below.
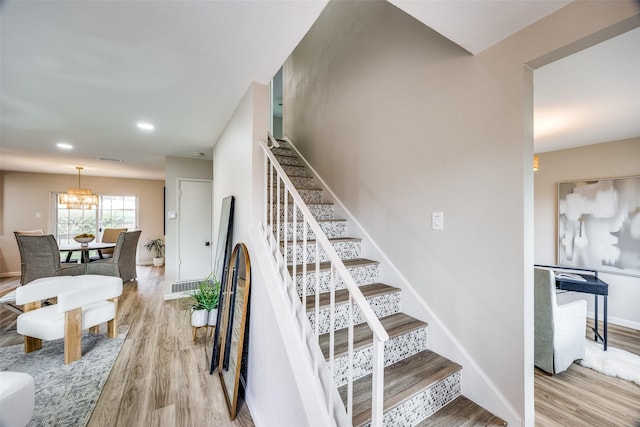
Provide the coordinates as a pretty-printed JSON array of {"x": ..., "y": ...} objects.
[
  {"x": 198, "y": 154},
  {"x": 145, "y": 126},
  {"x": 64, "y": 145}
]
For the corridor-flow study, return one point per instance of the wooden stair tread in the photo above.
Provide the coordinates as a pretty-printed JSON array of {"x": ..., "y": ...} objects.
[
  {"x": 462, "y": 412},
  {"x": 331, "y": 240},
  {"x": 402, "y": 380},
  {"x": 353, "y": 262},
  {"x": 342, "y": 295},
  {"x": 395, "y": 325},
  {"x": 308, "y": 204}
]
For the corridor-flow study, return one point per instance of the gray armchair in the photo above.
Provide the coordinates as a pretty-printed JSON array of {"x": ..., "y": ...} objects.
[
  {"x": 559, "y": 330},
  {"x": 40, "y": 257},
  {"x": 123, "y": 262}
]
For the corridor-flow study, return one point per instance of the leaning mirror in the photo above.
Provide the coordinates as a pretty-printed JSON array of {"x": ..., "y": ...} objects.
[
  {"x": 221, "y": 270},
  {"x": 234, "y": 323}
]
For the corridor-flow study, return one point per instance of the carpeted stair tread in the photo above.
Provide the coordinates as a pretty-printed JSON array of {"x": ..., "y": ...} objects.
[
  {"x": 354, "y": 262},
  {"x": 462, "y": 412},
  {"x": 401, "y": 381},
  {"x": 342, "y": 295},
  {"x": 395, "y": 325}
]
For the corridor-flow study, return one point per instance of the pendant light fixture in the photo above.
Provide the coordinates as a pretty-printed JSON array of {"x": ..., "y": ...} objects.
[{"x": 78, "y": 198}]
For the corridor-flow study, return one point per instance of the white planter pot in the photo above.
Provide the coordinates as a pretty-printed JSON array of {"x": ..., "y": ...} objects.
[
  {"x": 213, "y": 317},
  {"x": 158, "y": 262},
  {"x": 199, "y": 318}
]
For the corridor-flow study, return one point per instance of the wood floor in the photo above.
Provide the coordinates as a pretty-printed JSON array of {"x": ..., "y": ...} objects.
[
  {"x": 582, "y": 397},
  {"x": 162, "y": 379}
]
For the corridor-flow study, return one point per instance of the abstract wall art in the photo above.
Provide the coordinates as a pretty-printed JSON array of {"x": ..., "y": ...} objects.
[{"x": 599, "y": 225}]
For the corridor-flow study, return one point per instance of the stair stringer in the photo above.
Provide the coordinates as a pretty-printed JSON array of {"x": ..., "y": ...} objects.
[
  {"x": 301, "y": 352},
  {"x": 476, "y": 384}
]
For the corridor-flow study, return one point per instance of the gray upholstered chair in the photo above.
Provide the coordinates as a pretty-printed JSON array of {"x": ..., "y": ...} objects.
[
  {"x": 110, "y": 235},
  {"x": 559, "y": 329},
  {"x": 40, "y": 257},
  {"x": 123, "y": 262}
]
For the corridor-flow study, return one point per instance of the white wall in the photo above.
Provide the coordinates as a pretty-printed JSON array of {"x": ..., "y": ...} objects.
[
  {"x": 400, "y": 123},
  {"x": 607, "y": 160},
  {"x": 237, "y": 166},
  {"x": 176, "y": 168}
]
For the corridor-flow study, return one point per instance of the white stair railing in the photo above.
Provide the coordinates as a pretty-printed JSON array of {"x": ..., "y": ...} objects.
[{"x": 281, "y": 197}]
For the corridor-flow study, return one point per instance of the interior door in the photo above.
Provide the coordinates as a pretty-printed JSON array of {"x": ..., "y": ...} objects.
[{"x": 195, "y": 254}]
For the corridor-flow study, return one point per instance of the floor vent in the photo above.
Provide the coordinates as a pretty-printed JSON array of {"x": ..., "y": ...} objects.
[{"x": 184, "y": 286}]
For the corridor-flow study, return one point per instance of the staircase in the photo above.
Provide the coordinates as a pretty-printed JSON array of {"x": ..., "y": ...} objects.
[{"x": 421, "y": 388}]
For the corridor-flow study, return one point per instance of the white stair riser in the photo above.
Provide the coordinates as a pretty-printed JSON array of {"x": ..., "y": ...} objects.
[
  {"x": 345, "y": 249},
  {"x": 333, "y": 230},
  {"x": 318, "y": 212},
  {"x": 396, "y": 349},
  {"x": 362, "y": 275},
  {"x": 424, "y": 404},
  {"x": 382, "y": 305}
]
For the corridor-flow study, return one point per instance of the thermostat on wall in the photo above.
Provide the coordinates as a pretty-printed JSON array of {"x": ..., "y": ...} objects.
[{"x": 172, "y": 215}]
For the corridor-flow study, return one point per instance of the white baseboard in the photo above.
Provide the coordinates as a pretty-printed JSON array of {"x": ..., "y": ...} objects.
[
  {"x": 10, "y": 274},
  {"x": 175, "y": 295},
  {"x": 617, "y": 321}
]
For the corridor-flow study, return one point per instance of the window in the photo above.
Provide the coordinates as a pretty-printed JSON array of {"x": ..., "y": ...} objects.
[{"x": 112, "y": 212}]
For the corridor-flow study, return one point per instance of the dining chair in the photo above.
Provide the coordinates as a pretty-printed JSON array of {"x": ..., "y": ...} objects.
[
  {"x": 110, "y": 235},
  {"x": 40, "y": 257},
  {"x": 123, "y": 262}
]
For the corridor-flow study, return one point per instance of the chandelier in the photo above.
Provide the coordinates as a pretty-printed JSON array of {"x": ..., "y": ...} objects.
[{"x": 78, "y": 198}]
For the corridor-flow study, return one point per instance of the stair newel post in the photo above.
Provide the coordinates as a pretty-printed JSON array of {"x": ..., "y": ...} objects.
[
  {"x": 271, "y": 206},
  {"x": 317, "y": 300},
  {"x": 304, "y": 269},
  {"x": 265, "y": 199},
  {"x": 278, "y": 222},
  {"x": 350, "y": 362},
  {"x": 377, "y": 383},
  {"x": 332, "y": 325}
]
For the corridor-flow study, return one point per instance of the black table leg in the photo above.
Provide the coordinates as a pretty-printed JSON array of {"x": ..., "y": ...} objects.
[
  {"x": 605, "y": 322},
  {"x": 595, "y": 329}
]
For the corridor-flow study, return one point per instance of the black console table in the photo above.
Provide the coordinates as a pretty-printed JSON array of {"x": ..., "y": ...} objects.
[{"x": 590, "y": 285}]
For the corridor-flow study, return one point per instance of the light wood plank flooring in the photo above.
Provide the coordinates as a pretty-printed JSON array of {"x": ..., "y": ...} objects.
[
  {"x": 161, "y": 378},
  {"x": 582, "y": 397}
]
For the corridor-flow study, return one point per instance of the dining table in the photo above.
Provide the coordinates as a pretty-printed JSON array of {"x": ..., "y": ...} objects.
[{"x": 84, "y": 249}]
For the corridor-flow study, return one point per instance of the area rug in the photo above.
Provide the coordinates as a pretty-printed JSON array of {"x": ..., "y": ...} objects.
[
  {"x": 65, "y": 395},
  {"x": 613, "y": 362}
]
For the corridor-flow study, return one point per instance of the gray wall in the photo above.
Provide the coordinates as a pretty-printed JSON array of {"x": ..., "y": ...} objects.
[{"x": 400, "y": 122}]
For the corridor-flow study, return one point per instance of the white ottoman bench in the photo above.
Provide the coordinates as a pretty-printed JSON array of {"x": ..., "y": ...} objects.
[
  {"x": 17, "y": 399},
  {"x": 83, "y": 302}
]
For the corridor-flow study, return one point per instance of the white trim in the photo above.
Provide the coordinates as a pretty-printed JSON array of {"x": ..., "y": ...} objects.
[{"x": 616, "y": 321}]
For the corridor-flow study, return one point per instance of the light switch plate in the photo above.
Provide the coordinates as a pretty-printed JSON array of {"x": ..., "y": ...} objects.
[{"x": 437, "y": 220}]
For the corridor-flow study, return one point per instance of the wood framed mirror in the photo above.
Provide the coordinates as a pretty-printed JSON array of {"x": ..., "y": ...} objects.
[{"x": 234, "y": 324}]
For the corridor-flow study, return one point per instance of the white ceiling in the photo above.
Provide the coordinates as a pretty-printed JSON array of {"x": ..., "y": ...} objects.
[{"x": 86, "y": 72}]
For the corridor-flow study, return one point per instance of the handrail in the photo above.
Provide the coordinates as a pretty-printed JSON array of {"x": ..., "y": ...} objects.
[{"x": 338, "y": 268}]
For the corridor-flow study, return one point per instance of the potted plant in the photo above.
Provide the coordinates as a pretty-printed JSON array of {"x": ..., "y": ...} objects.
[
  {"x": 204, "y": 302},
  {"x": 156, "y": 245}
]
